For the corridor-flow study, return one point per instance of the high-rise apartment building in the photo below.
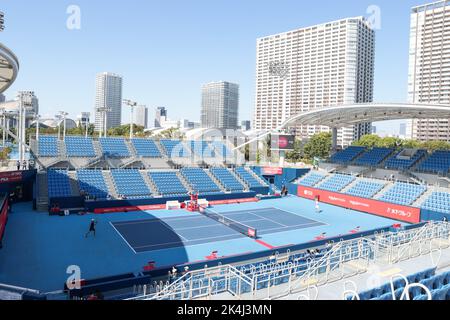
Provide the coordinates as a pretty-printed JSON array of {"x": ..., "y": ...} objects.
[
  {"x": 108, "y": 96},
  {"x": 429, "y": 67},
  {"x": 220, "y": 105},
  {"x": 160, "y": 116},
  {"x": 324, "y": 65},
  {"x": 140, "y": 116}
]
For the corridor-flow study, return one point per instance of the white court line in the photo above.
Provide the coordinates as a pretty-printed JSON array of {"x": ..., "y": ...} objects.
[
  {"x": 297, "y": 226},
  {"x": 122, "y": 237},
  {"x": 156, "y": 220},
  {"x": 280, "y": 224},
  {"x": 299, "y": 215}
]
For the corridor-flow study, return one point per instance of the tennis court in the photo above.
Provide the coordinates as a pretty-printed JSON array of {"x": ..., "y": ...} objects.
[{"x": 156, "y": 234}]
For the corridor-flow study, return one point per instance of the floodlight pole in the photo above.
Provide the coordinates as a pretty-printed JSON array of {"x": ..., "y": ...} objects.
[{"x": 131, "y": 104}]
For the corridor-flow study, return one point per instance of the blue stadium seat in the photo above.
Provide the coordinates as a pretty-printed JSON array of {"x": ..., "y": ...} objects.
[
  {"x": 114, "y": 147},
  {"x": 365, "y": 189},
  {"x": 48, "y": 146},
  {"x": 227, "y": 179},
  {"x": 168, "y": 183},
  {"x": 373, "y": 157},
  {"x": 347, "y": 155},
  {"x": 402, "y": 164},
  {"x": 221, "y": 149},
  {"x": 311, "y": 179},
  {"x": 93, "y": 183},
  {"x": 200, "y": 181},
  {"x": 80, "y": 147},
  {"x": 403, "y": 193},
  {"x": 438, "y": 201},
  {"x": 202, "y": 149},
  {"x": 248, "y": 178},
  {"x": 146, "y": 148},
  {"x": 438, "y": 163},
  {"x": 175, "y": 148},
  {"x": 58, "y": 184},
  {"x": 336, "y": 183},
  {"x": 129, "y": 182}
]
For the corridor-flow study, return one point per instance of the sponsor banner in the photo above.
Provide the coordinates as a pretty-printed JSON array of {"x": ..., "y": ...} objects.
[
  {"x": 282, "y": 142},
  {"x": 380, "y": 208},
  {"x": 231, "y": 201},
  {"x": 130, "y": 208},
  {"x": 272, "y": 171},
  {"x": 14, "y": 176},
  {"x": 3, "y": 217}
]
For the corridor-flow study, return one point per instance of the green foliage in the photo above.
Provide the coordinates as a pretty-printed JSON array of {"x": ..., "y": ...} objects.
[
  {"x": 171, "y": 133},
  {"x": 124, "y": 131},
  {"x": 4, "y": 153},
  {"x": 297, "y": 154},
  {"x": 318, "y": 146},
  {"x": 371, "y": 141}
]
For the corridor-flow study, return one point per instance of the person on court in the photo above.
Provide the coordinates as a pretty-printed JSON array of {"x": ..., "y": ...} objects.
[
  {"x": 91, "y": 228},
  {"x": 317, "y": 206}
]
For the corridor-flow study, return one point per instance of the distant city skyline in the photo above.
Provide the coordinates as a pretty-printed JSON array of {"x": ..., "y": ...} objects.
[{"x": 60, "y": 72}]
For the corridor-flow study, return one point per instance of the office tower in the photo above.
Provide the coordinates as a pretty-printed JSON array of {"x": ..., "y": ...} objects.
[
  {"x": 140, "y": 116},
  {"x": 160, "y": 116},
  {"x": 2, "y": 97},
  {"x": 429, "y": 73},
  {"x": 246, "y": 125},
  {"x": 2, "y": 21},
  {"x": 84, "y": 119},
  {"x": 108, "y": 96},
  {"x": 220, "y": 105},
  {"x": 324, "y": 65},
  {"x": 402, "y": 130}
]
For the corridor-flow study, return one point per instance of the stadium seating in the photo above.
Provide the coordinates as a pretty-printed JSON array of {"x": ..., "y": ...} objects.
[
  {"x": 311, "y": 179},
  {"x": 167, "y": 183},
  {"x": 384, "y": 292},
  {"x": 438, "y": 201},
  {"x": 93, "y": 183},
  {"x": 403, "y": 193},
  {"x": 129, "y": 182},
  {"x": 200, "y": 181},
  {"x": 221, "y": 149},
  {"x": 201, "y": 149},
  {"x": 373, "y": 157},
  {"x": 365, "y": 189},
  {"x": 227, "y": 179},
  {"x": 175, "y": 148},
  {"x": 346, "y": 156},
  {"x": 402, "y": 164},
  {"x": 438, "y": 163},
  {"x": 79, "y": 147},
  {"x": 336, "y": 183},
  {"x": 48, "y": 146},
  {"x": 114, "y": 147},
  {"x": 146, "y": 148},
  {"x": 251, "y": 181},
  {"x": 58, "y": 184}
]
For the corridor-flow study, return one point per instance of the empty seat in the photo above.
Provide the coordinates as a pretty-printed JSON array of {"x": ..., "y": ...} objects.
[
  {"x": 347, "y": 155},
  {"x": 373, "y": 157},
  {"x": 311, "y": 179},
  {"x": 227, "y": 179},
  {"x": 114, "y": 147},
  {"x": 58, "y": 183},
  {"x": 168, "y": 183},
  {"x": 92, "y": 183},
  {"x": 200, "y": 181},
  {"x": 336, "y": 182},
  {"x": 79, "y": 147},
  {"x": 403, "y": 193},
  {"x": 245, "y": 175},
  {"x": 397, "y": 162},
  {"x": 175, "y": 148},
  {"x": 365, "y": 189},
  {"x": 146, "y": 148},
  {"x": 129, "y": 182},
  {"x": 48, "y": 146},
  {"x": 438, "y": 163},
  {"x": 438, "y": 201}
]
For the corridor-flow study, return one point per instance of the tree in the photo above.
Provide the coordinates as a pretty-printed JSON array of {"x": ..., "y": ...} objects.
[
  {"x": 411, "y": 144},
  {"x": 124, "y": 130},
  {"x": 435, "y": 145},
  {"x": 171, "y": 133},
  {"x": 295, "y": 155},
  {"x": 368, "y": 141},
  {"x": 318, "y": 146}
]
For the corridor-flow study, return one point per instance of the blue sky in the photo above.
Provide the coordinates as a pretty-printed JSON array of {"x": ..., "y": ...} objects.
[{"x": 167, "y": 49}]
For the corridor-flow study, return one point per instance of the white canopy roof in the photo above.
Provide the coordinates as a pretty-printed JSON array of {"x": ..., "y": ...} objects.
[{"x": 9, "y": 67}]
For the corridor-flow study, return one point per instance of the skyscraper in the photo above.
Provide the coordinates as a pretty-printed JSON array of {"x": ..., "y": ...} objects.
[
  {"x": 324, "y": 65},
  {"x": 429, "y": 73},
  {"x": 141, "y": 116},
  {"x": 160, "y": 116},
  {"x": 2, "y": 21},
  {"x": 2, "y": 97},
  {"x": 108, "y": 95},
  {"x": 220, "y": 105}
]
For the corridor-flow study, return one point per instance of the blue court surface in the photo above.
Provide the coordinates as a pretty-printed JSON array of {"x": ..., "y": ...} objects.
[
  {"x": 151, "y": 234},
  {"x": 38, "y": 248}
]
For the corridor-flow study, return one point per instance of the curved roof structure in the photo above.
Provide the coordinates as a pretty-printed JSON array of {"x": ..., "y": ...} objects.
[
  {"x": 345, "y": 115},
  {"x": 9, "y": 68}
]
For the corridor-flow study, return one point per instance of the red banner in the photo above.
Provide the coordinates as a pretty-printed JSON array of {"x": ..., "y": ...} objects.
[
  {"x": 3, "y": 218},
  {"x": 379, "y": 208},
  {"x": 13, "y": 176},
  {"x": 272, "y": 171}
]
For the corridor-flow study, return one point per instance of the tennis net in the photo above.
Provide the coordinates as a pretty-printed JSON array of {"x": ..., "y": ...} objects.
[{"x": 233, "y": 224}]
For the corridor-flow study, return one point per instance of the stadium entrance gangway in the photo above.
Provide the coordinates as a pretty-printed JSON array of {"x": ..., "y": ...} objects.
[{"x": 277, "y": 280}]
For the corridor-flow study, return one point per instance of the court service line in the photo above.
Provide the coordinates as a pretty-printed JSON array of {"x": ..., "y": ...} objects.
[
  {"x": 299, "y": 215},
  {"x": 123, "y": 238}
]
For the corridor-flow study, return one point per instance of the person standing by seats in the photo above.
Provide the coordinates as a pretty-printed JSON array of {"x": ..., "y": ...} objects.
[
  {"x": 24, "y": 165},
  {"x": 317, "y": 207},
  {"x": 18, "y": 165},
  {"x": 92, "y": 227}
]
